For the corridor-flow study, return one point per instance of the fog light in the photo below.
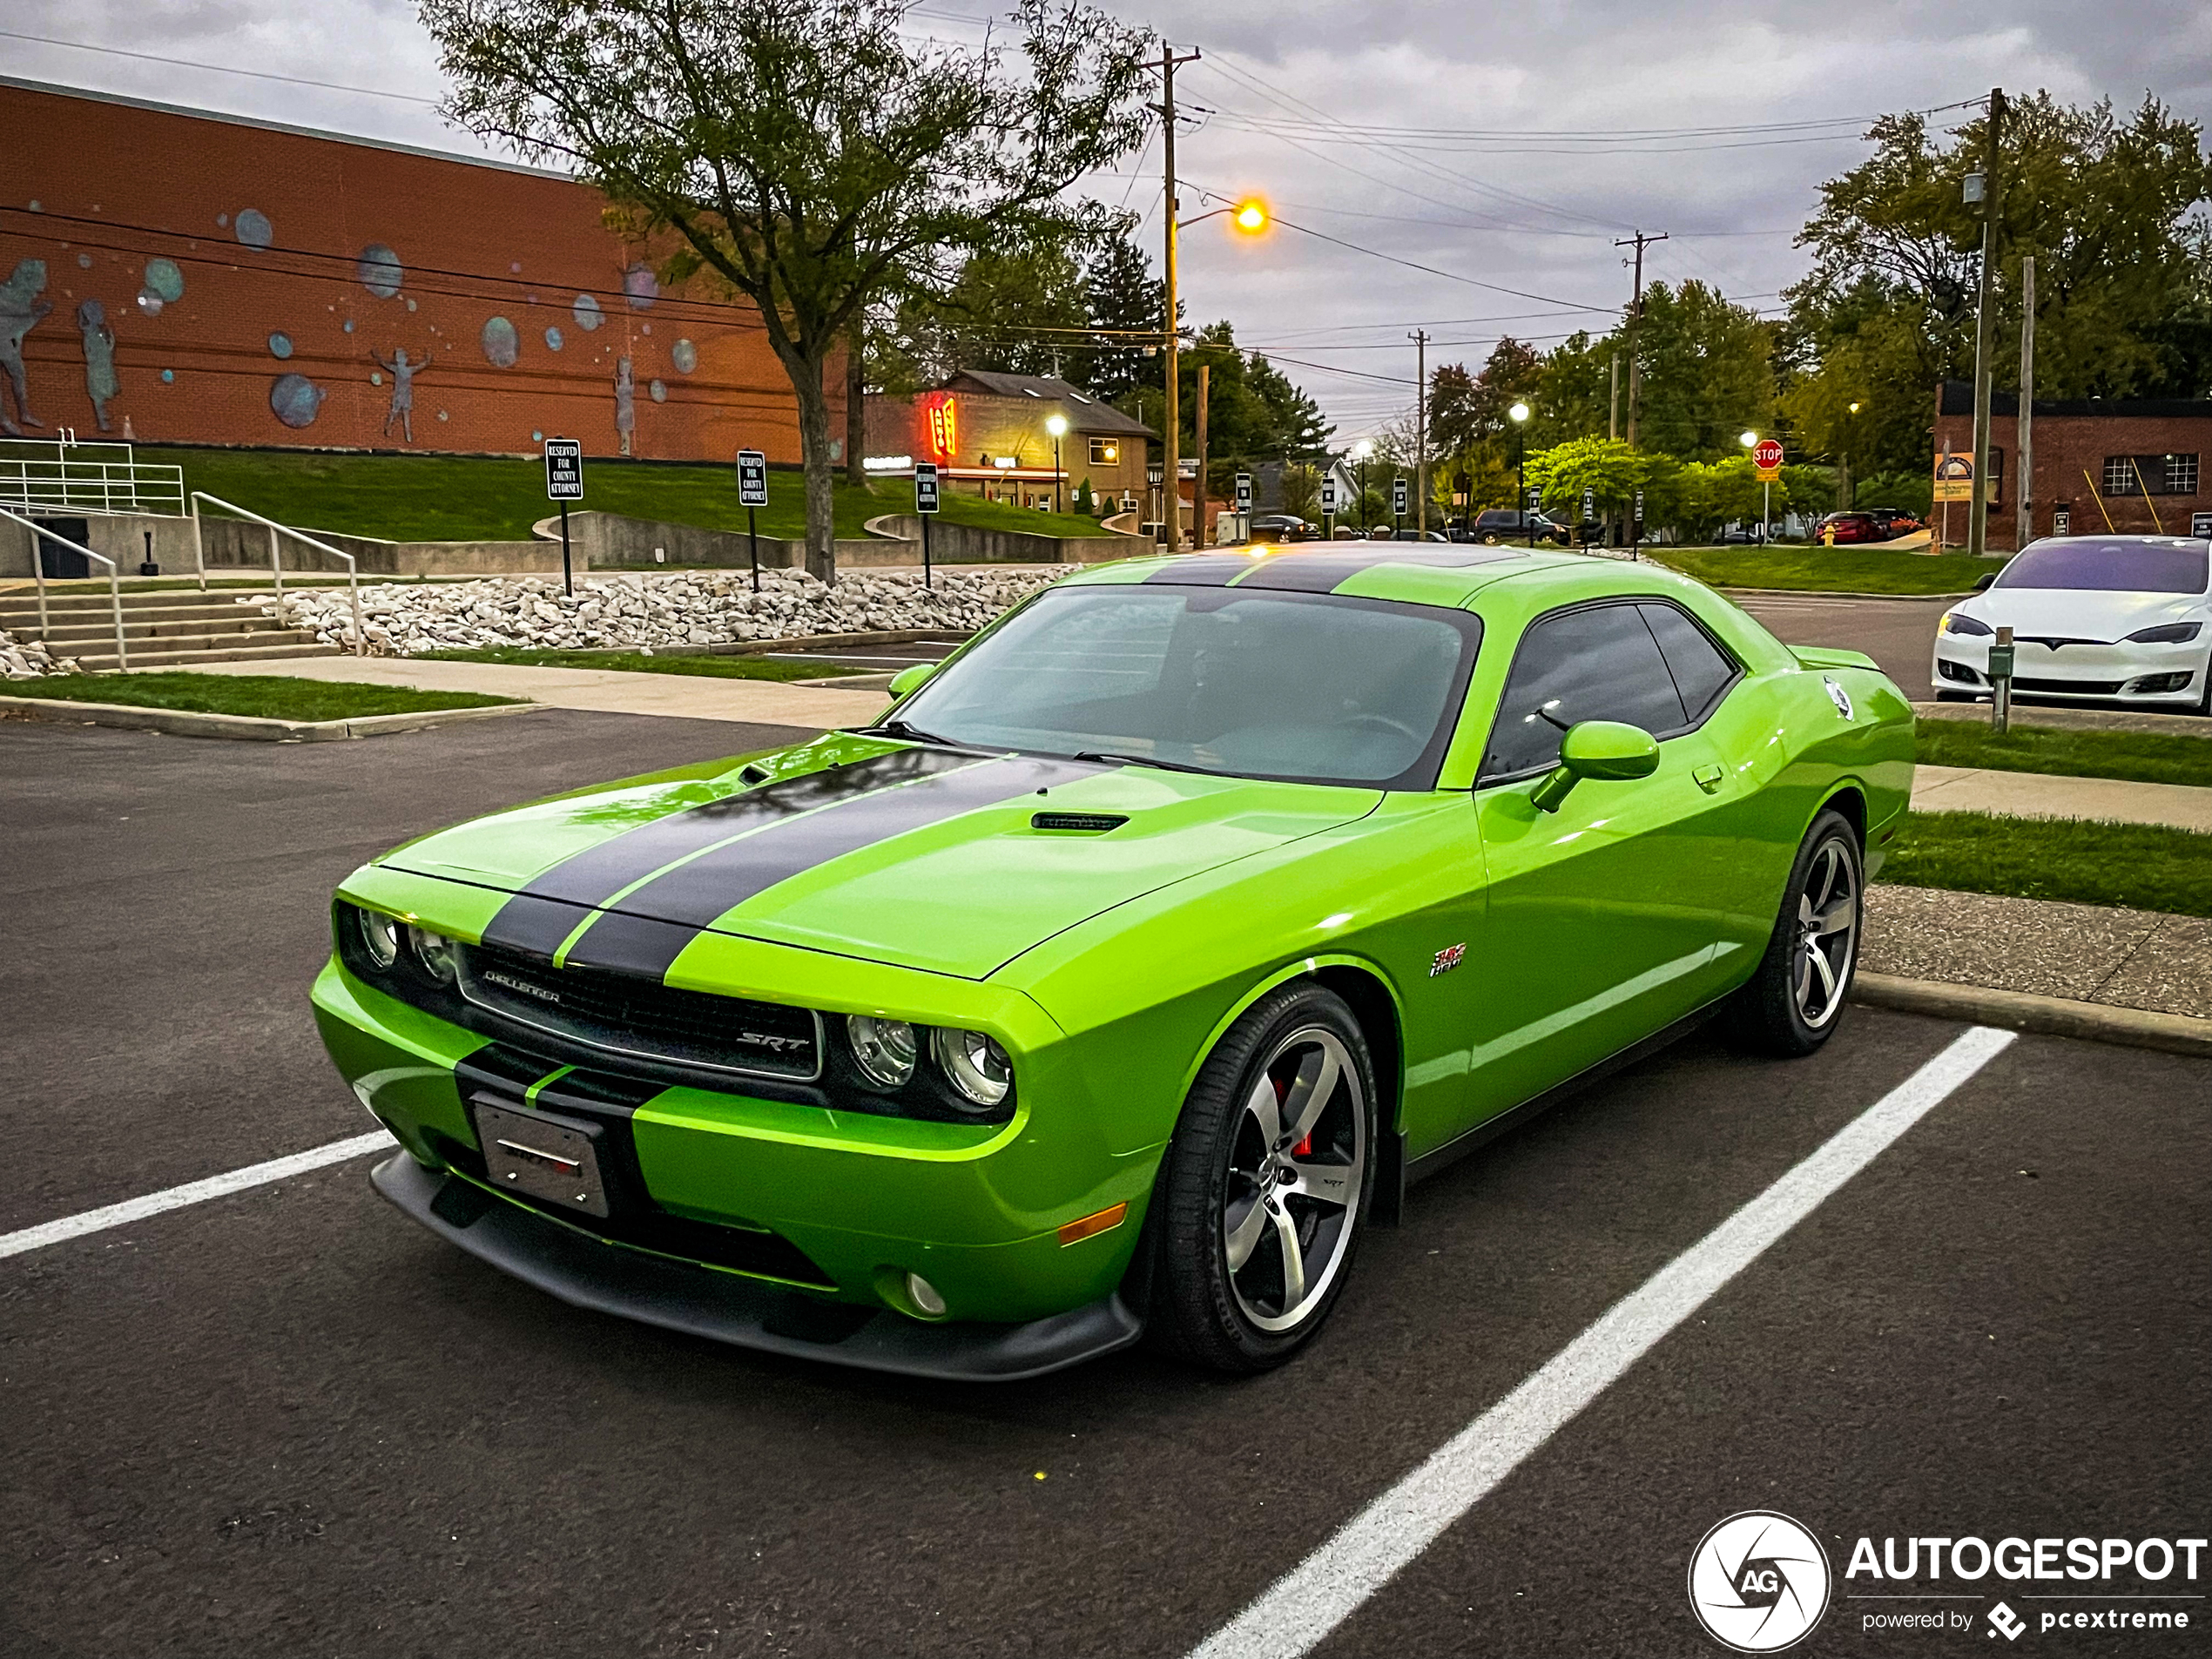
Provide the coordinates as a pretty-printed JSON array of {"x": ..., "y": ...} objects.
[
  {"x": 924, "y": 1295},
  {"x": 2150, "y": 685}
]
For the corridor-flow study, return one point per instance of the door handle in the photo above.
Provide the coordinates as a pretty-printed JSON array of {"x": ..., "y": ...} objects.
[{"x": 1708, "y": 778}]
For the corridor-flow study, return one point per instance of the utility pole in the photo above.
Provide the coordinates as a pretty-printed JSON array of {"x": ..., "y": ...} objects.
[
  {"x": 1978, "y": 509},
  {"x": 1173, "y": 474},
  {"x": 1613, "y": 410},
  {"x": 1419, "y": 337},
  {"x": 1198, "y": 492},
  {"x": 1639, "y": 241},
  {"x": 2024, "y": 482}
]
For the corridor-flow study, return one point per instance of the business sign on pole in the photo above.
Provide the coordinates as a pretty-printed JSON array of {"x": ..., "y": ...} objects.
[
  {"x": 1329, "y": 494},
  {"x": 1244, "y": 492},
  {"x": 1398, "y": 498},
  {"x": 2201, "y": 524},
  {"x": 1954, "y": 477},
  {"x": 1766, "y": 456},
  {"x": 563, "y": 470},
  {"x": 1589, "y": 504},
  {"x": 925, "y": 487},
  {"x": 752, "y": 478}
]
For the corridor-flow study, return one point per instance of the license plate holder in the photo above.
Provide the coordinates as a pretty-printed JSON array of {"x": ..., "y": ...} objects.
[{"x": 543, "y": 1156}]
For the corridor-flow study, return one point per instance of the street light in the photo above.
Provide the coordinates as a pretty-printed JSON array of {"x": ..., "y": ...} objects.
[
  {"x": 1747, "y": 439},
  {"x": 1519, "y": 413},
  {"x": 1056, "y": 424},
  {"x": 1361, "y": 451}
]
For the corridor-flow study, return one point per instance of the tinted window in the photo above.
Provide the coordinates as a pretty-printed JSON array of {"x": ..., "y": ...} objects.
[
  {"x": 2122, "y": 565},
  {"x": 1701, "y": 669},
  {"x": 1599, "y": 664},
  {"x": 1308, "y": 687}
]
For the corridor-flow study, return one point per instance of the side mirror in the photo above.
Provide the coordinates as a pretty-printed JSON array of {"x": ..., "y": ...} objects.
[
  {"x": 1605, "y": 749},
  {"x": 907, "y": 679},
  {"x": 1982, "y": 582}
]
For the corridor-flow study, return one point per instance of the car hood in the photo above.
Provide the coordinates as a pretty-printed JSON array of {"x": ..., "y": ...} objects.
[
  {"x": 2076, "y": 613},
  {"x": 951, "y": 862}
]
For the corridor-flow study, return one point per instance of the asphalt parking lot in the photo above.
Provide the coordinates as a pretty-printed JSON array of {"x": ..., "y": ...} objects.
[
  {"x": 1899, "y": 634},
  {"x": 287, "y": 1421}
]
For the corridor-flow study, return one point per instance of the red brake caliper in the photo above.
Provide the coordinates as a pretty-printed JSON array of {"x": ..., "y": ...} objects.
[{"x": 1305, "y": 1148}]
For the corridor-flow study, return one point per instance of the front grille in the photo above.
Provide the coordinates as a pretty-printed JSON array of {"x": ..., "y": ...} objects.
[
  {"x": 2079, "y": 688},
  {"x": 624, "y": 1013}
]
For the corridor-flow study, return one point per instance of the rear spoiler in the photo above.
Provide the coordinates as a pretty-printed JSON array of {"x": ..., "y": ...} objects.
[{"x": 1828, "y": 656}]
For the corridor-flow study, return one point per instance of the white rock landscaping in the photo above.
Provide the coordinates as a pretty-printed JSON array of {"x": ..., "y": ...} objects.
[
  {"x": 29, "y": 660},
  {"x": 652, "y": 611}
]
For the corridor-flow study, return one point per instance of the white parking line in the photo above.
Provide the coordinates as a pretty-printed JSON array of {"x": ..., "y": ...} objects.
[
  {"x": 1309, "y": 1601},
  {"x": 215, "y": 1186}
]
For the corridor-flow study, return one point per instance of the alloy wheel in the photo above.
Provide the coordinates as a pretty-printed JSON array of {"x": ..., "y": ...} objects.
[
  {"x": 1295, "y": 1169},
  {"x": 1827, "y": 932}
]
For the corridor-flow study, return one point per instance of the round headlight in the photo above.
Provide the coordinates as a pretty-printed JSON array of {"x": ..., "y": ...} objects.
[
  {"x": 884, "y": 1049},
  {"x": 380, "y": 936},
  {"x": 434, "y": 953},
  {"x": 977, "y": 1067}
]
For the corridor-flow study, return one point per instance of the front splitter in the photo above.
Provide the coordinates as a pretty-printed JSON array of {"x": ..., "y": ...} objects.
[{"x": 748, "y": 1313}]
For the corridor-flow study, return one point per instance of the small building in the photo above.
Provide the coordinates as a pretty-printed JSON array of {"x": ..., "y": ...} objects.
[
  {"x": 986, "y": 434},
  {"x": 2132, "y": 466}
]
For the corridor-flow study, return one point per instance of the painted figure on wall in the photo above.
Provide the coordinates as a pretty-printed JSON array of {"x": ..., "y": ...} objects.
[
  {"x": 402, "y": 373},
  {"x": 20, "y": 311},
  {"x": 99, "y": 358},
  {"x": 626, "y": 401}
]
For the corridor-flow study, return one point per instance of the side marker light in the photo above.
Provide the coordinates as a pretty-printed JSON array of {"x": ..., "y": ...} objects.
[{"x": 1104, "y": 1222}]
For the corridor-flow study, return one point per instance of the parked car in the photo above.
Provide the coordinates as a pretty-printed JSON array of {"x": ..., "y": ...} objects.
[
  {"x": 1503, "y": 524},
  {"x": 2111, "y": 619},
  {"x": 1859, "y": 526},
  {"x": 1125, "y": 971},
  {"x": 1407, "y": 533},
  {"x": 1282, "y": 527}
]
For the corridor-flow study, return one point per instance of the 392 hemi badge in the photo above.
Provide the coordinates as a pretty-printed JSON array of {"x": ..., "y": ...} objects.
[{"x": 1446, "y": 960}]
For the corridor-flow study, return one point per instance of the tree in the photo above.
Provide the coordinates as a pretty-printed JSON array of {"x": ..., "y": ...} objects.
[
  {"x": 1120, "y": 293},
  {"x": 1709, "y": 372},
  {"x": 2113, "y": 213},
  {"x": 807, "y": 154},
  {"x": 1254, "y": 412},
  {"x": 1019, "y": 309},
  {"x": 1302, "y": 490},
  {"x": 1608, "y": 468}
]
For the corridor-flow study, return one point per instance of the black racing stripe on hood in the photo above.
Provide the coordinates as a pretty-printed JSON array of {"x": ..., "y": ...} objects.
[
  {"x": 1325, "y": 572},
  {"x": 661, "y": 917},
  {"x": 547, "y": 911},
  {"x": 1201, "y": 570}
]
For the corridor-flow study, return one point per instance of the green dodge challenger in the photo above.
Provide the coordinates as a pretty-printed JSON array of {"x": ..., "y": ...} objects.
[{"x": 1139, "y": 957}]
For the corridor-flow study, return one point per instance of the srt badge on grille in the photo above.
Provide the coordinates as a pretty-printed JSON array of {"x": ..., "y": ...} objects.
[
  {"x": 773, "y": 1044},
  {"x": 1446, "y": 960}
]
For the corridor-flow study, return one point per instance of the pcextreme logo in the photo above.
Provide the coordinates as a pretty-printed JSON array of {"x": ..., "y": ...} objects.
[{"x": 1759, "y": 1582}]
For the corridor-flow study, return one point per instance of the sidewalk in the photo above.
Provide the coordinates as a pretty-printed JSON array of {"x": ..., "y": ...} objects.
[
  {"x": 2035, "y": 794},
  {"x": 2122, "y": 959},
  {"x": 602, "y": 691}
]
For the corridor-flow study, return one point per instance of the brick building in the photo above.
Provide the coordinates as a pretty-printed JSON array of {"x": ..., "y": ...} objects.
[
  {"x": 170, "y": 275},
  {"x": 2134, "y": 466},
  {"x": 986, "y": 434}
]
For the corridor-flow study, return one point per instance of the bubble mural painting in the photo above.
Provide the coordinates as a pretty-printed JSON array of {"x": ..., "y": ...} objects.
[
  {"x": 553, "y": 341},
  {"x": 295, "y": 400},
  {"x": 626, "y": 401},
  {"x": 252, "y": 227},
  {"x": 657, "y": 390},
  {"x": 587, "y": 312},
  {"x": 640, "y": 287},
  {"x": 501, "y": 343},
  {"x": 380, "y": 270},
  {"x": 164, "y": 281},
  {"x": 685, "y": 356},
  {"x": 280, "y": 345}
]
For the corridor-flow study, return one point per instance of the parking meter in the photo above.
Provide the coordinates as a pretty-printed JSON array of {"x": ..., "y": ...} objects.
[{"x": 2000, "y": 680}]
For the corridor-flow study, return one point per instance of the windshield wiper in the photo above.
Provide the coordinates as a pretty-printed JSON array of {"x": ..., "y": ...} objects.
[
  {"x": 912, "y": 733},
  {"x": 1142, "y": 760}
]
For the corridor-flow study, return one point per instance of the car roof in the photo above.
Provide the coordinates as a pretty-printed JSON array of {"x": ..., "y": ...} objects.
[{"x": 1437, "y": 573}]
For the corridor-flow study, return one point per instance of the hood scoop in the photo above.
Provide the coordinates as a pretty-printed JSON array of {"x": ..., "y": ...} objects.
[{"x": 1082, "y": 823}]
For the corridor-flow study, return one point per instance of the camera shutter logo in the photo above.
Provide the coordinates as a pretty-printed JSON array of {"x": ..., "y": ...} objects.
[{"x": 1759, "y": 1581}]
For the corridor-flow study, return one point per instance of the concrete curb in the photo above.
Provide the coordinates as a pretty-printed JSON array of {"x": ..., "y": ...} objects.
[
  {"x": 2051, "y": 1015},
  {"x": 190, "y": 723},
  {"x": 1838, "y": 593}
]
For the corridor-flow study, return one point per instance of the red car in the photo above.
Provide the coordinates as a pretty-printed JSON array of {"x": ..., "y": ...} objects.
[{"x": 1865, "y": 524}]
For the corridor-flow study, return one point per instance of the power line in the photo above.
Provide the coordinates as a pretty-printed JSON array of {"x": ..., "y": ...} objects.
[{"x": 218, "y": 69}]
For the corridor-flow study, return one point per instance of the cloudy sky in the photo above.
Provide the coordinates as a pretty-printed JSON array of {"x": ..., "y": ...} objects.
[{"x": 1505, "y": 150}]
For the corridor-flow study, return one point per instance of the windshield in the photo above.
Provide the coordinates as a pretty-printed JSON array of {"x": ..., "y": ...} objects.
[
  {"x": 1306, "y": 687},
  {"x": 2135, "y": 565}
]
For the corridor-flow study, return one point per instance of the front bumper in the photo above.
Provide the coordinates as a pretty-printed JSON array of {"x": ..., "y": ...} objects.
[
  {"x": 586, "y": 1273},
  {"x": 2137, "y": 675}
]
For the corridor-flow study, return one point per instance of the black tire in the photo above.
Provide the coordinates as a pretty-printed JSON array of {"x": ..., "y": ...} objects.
[
  {"x": 1796, "y": 999},
  {"x": 1219, "y": 1167},
  {"x": 1489, "y": 538}
]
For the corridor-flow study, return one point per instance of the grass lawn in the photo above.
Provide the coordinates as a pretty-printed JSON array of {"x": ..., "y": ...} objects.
[
  {"x": 2142, "y": 866},
  {"x": 1830, "y": 569},
  {"x": 464, "y": 498},
  {"x": 275, "y": 697},
  {"x": 720, "y": 668},
  {"x": 2140, "y": 756}
]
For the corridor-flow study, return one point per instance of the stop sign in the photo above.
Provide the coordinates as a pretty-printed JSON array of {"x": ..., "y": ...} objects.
[{"x": 1766, "y": 455}]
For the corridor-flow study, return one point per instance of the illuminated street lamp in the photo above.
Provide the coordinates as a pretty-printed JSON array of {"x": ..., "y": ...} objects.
[
  {"x": 1057, "y": 425},
  {"x": 1519, "y": 413},
  {"x": 1747, "y": 439},
  {"x": 1361, "y": 451}
]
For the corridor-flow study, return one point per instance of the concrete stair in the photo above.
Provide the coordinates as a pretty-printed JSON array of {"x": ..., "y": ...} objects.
[{"x": 167, "y": 628}]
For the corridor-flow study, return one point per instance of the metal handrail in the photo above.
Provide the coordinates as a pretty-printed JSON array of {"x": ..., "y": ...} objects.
[
  {"x": 276, "y": 562},
  {"x": 38, "y": 570}
]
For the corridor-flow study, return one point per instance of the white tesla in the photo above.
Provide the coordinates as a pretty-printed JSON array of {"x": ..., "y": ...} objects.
[{"x": 2095, "y": 619}]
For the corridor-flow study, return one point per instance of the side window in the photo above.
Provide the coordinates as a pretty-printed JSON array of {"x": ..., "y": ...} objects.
[
  {"x": 1701, "y": 669},
  {"x": 1599, "y": 663}
]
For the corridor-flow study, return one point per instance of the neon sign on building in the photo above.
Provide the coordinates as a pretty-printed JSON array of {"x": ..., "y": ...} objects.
[{"x": 942, "y": 431}]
